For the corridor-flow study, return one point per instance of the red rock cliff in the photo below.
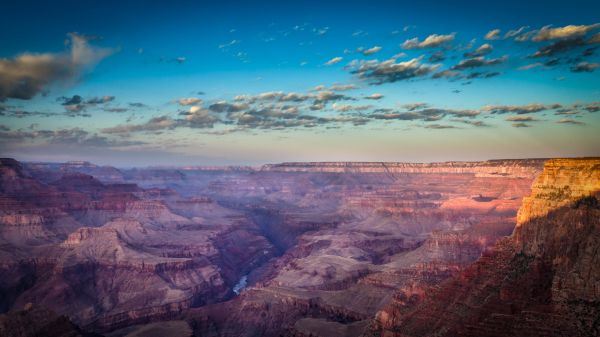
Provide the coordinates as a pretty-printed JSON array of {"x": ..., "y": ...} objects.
[{"x": 544, "y": 280}]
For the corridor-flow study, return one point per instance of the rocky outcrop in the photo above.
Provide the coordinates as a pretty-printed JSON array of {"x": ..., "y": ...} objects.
[
  {"x": 48, "y": 172},
  {"x": 544, "y": 280},
  {"x": 265, "y": 312},
  {"x": 562, "y": 181},
  {"x": 37, "y": 321},
  {"x": 110, "y": 255},
  {"x": 559, "y": 224}
]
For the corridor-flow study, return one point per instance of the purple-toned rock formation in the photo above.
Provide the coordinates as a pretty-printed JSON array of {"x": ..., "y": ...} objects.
[{"x": 299, "y": 249}]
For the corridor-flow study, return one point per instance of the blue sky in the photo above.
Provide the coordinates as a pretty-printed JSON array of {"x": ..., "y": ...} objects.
[{"x": 183, "y": 82}]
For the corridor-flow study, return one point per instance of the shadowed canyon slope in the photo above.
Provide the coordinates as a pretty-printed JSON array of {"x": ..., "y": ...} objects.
[
  {"x": 544, "y": 280},
  {"x": 312, "y": 248}
]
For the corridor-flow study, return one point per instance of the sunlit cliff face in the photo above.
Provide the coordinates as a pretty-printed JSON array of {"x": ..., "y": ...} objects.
[
  {"x": 564, "y": 181},
  {"x": 546, "y": 268}
]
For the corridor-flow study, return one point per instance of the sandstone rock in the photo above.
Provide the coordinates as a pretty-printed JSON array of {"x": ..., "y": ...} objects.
[
  {"x": 542, "y": 281},
  {"x": 34, "y": 321}
]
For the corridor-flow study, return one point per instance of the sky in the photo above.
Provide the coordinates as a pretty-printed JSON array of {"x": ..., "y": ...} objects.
[{"x": 134, "y": 83}]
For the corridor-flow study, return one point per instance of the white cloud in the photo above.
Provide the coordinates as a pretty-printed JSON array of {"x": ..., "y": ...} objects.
[
  {"x": 372, "y": 50},
  {"x": 431, "y": 41},
  {"x": 334, "y": 60},
  {"x": 570, "y": 31},
  {"x": 189, "y": 101},
  {"x": 374, "y": 96},
  {"x": 28, "y": 74},
  {"x": 530, "y": 66},
  {"x": 492, "y": 34}
]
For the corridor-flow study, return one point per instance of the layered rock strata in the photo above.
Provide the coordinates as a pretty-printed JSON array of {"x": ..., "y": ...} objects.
[{"x": 544, "y": 280}]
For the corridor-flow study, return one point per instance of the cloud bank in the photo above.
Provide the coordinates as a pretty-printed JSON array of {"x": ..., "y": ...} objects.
[{"x": 28, "y": 74}]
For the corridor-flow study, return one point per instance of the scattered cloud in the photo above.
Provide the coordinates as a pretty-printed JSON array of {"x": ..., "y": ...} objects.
[
  {"x": 319, "y": 96},
  {"x": 68, "y": 137},
  {"x": 283, "y": 110},
  {"x": 516, "y": 33},
  {"x": 471, "y": 122},
  {"x": 399, "y": 55},
  {"x": 567, "y": 112},
  {"x": 559, "y": 47},
  {"x": 229, "y": 44},
  {"x": 20, "y": 113},
  {"x": 415, "y": 106},
  {"x": 518, "y": 109},
  {"x": 335, "y": 87},
  {"x": 389, "y": 71},
  {"x": 198, "y": 117},
  {"x": 479, "y": 74},
  {"x": 480, "y": 61},
  {"x": 570, "y": 121},
  {"x": 431, "y": 41},
  {"x": 334, "y": 60},
  {"x": 348, "y": 107},
  {"x": 322, "y": 105},
  {"x": 438, "y": 56},
  {"x": 530, "y": 66},
  {"x": 76, "y": 99},
  {"x": 447, "y": 74},
  {"x": 521, "y": 119},
  {"x": 116, "y": 109},
  {"x": 100, "y": 100},
  {"x": 224, "y": 106},
  {"x": 372, "y": 50},
  {"x": 375, "y": 96},
  {"x": 592, "y": 107},
  {"x": 483, "y": 50},
  {"x": 584, "y": 67},
  {"x": 424, "y": 114},
  {"x": 566, "y": 32},
  {"x": 75, "y": 105},
  {"x": 492, "y": 34},
  {"x": 440, "y": 126},
  {"x": 189, "y": 101},
  {"x": 321, "y": 31},
  {"x": 154, "y": 124}
]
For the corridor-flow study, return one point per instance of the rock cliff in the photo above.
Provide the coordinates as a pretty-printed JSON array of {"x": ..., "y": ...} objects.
[
  {"x": 109, "y": 255},
  {"x": 544, "y": 280},
  {"x": 34, "y": 321}
]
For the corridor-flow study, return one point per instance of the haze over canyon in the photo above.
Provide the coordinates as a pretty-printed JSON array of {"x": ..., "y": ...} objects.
[{"x": 301, "y": 249}]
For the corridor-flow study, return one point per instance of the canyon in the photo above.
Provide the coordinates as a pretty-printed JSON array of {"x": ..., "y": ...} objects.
[
  {"x": 300, "y": 249},
  {"x": 543, "y": 280}
]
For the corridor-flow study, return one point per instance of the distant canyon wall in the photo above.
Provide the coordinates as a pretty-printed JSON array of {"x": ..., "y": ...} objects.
[{"x": 512, "y": 167}]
